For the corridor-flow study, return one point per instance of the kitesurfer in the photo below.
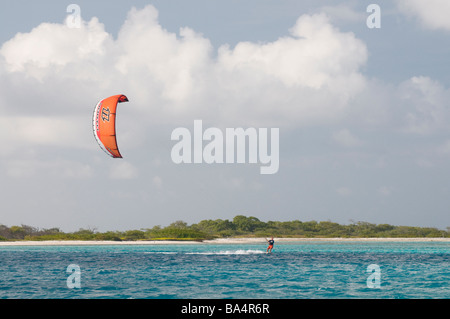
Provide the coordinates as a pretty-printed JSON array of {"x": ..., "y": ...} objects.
[{"x": 270, "y": 247}]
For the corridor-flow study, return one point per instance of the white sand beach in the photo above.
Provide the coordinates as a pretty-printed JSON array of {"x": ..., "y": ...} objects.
[{"x": 213, "y": 241}]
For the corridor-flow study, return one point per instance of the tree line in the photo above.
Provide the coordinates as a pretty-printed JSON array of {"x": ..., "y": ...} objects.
[{"x": 239, "y": 226}]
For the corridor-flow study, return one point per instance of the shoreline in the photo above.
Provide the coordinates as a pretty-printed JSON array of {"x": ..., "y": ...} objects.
[{"x": 214, "y": 241}]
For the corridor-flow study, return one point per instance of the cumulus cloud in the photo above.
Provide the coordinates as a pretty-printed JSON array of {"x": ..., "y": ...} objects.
[
  {"x": 166, "y": 70},
  {"x": 433, "y": 14},
  {"x": 308, "y": 82},
  {"x": 50, "y": 47},
  {"x": 52, "y": 77},
  {"x": 424, "y": 102},
  {"x": 311, "y": 74},
  {"x": 312, "y": 57}
]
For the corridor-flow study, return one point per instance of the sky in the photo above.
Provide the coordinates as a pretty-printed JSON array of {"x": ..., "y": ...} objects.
[{"x": 360, "y": 97}]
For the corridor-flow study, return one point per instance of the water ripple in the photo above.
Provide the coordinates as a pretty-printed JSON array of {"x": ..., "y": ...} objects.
[{"x": 312, "y": 270}]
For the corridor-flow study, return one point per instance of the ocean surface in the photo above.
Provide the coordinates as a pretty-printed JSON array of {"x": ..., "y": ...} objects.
[{"x": 295, "y": 270}]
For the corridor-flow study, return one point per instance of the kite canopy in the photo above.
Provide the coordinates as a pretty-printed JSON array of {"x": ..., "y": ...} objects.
[{"x": 104, "y": 124}]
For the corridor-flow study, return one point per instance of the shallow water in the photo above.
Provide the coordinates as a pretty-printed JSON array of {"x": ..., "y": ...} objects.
[{"x": 295, "y": 270}]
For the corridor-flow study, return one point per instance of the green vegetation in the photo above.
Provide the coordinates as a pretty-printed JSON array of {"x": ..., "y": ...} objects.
[{"x": 240, "y": 226}]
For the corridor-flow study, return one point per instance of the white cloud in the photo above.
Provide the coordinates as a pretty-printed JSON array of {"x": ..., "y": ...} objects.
[
  {"x": 313, "y": 75},
  {"x": 433, "y": 14},
  {"x": 312, "y": 57},
  {"x": 310, "y": 79},
  {"x": 310, "y": 75},
  {"x": 52, "y": 76},
  {"x": 424, "y": 102},
  {"x": 150, "y": 56},
  {"x": 50, "y": 47}
]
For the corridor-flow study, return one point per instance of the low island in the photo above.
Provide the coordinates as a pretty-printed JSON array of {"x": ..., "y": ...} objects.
[{"x": 241, "y": 229}]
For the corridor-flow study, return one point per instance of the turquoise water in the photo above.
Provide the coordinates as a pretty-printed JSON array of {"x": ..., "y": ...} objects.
[{"x": 296, "y": 270}]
